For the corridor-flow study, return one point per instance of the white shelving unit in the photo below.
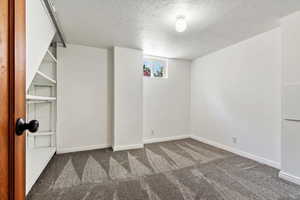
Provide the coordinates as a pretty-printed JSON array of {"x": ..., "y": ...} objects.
[
  {"x": 36, "y": 160},
  {"x": 41, "y": 105},
  {"x": 49, "y": 57},
  {"x": 42, "y": 78},
  {"x": 39, "y": 98},
  {"x": 41, "y": 134}
]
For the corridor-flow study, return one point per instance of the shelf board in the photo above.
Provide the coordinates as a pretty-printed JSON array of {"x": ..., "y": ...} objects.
[
  {"x": 43, "y": 79},
  {"x": 49, "y": 57},
  {"x": 32, "y": 98},
  {"x": 36, "y": 161},
  {"x": 41, "y": 134},
  {"x": 292, "y": 119}
]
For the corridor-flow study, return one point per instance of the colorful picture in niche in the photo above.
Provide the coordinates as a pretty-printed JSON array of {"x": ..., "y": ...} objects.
[
  {"x": 155, "y": 68},
  {"x": 147, "y": 70}
]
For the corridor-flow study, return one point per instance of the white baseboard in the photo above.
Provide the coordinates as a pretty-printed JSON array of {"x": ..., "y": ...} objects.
[
  {"x": 165, "y": 139},
  {"x": 128, "y": 147},
  {"x": 83, "y": 148},
  {"x": 238, "y": 152},
  {"x": 288, "y": 177}
]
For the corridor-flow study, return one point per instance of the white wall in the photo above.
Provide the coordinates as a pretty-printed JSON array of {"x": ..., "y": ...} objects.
[
  {"x": 291, "y": 88},
  {"x": 128, "y": 74},
  {"x": 84, "y": 101},
  {"x": 166, "y": 103},
  {"x": 236, "y": 92}
]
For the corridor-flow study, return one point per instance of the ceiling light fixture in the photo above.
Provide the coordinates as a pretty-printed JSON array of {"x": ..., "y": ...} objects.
[{"x": 181, "y": 24}]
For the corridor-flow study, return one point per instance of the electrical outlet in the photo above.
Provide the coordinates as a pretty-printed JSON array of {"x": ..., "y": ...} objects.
[{"x": 234, "y": 140}]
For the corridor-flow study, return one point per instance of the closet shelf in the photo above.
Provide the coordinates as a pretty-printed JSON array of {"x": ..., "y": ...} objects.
[
  {"x": 41, "y": 134},
  {"x": 31, "y": 98},
  {"x": 49, "y": 57},
  {"x": 36, "y": 160},
  {"x": 43, "y": 79}
]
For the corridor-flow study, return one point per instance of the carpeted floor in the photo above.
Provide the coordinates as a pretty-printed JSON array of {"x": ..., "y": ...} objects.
[{"x": 177, "y": 170}]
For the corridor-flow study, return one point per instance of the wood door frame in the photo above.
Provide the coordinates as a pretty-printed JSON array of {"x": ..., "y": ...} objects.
[{"x": 13, "y": 98}]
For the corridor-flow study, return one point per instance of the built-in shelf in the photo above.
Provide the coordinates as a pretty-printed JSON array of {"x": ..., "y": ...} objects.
[
  {"x": 36, "y": 161},
  {"x": 41, "y": 134},
  {"x": 42, "y": 79},
  {"x": 49, "y": 57},
  {"x": 39, "y": 98},
  {"x": 41, "y": 106},
  {"x": 291, "y": 119}
]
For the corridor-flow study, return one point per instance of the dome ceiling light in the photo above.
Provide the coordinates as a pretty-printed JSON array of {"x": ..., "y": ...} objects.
[{"x": 181, "y": 24}]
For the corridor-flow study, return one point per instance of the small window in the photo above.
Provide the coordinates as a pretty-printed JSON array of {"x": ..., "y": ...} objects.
[{"x": 155, "y": 68}]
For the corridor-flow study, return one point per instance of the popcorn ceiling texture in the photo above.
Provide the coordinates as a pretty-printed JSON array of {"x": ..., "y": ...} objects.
[
  {"x": 150, "y": 24},
  {"x": 177, "y": 170}
]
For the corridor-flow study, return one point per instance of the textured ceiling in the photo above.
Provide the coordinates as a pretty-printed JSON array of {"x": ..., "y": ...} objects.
[{"x": 149, "y": 24}]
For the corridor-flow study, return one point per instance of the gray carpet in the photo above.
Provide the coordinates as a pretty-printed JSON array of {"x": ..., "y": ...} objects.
[{"x": 178, "y": 170}]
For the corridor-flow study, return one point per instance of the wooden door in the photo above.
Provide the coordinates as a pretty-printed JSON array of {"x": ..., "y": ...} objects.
[{"x": 12, "y": 99}]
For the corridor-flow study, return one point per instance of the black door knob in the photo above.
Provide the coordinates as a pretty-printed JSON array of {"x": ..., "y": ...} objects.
[{"x": 22, "y": 126}]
